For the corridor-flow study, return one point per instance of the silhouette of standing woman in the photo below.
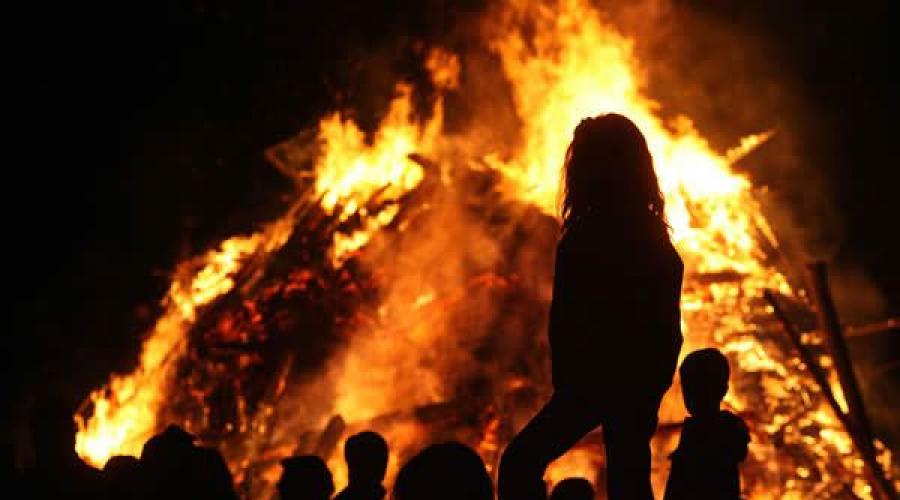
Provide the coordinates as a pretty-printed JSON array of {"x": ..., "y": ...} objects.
[{"x": 614, "y": 319}]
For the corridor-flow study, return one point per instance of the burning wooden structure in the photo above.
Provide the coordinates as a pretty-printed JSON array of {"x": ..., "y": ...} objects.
[{"x": 405, "y": 289}]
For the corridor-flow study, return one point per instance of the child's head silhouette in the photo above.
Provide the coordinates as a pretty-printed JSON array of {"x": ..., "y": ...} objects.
[
  {"x": 704, "y": 381},
  {"x": 367, "y": 457}
]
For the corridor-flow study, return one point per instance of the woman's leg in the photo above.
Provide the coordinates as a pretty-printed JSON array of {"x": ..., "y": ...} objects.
[
  {"x": 626, "y": 436},
  {"x": 552, "y": 432}
]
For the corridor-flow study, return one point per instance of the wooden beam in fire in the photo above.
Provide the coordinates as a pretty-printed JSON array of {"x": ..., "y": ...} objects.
[
  {"x": 873, "y": 469},
  {"x": 330, "y": 437},
  {"x": 875, "y": 328},
  {"x": 858, "y": 419}
]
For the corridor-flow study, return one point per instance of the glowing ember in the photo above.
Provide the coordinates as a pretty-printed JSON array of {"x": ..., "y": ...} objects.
[{"x": 412, "y": 365}]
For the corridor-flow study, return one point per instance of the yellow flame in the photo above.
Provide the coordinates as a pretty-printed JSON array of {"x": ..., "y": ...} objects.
[
  {"x": 573, "y": 66},
  {"x": 367, "y": 179},
  {"x": 125, "y": 411},
  {"x": 581, "y": 463},
  {"x": 563, "y": 63}
]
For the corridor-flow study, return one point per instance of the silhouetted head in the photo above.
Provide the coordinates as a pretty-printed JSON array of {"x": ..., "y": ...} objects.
[
  {"x": 704, "y": 381},
  {"x": 573, "y": 488},
  {"x": 52, "y": 431},
  {"x": 305, "y": 478},
  {"x": 120, "y": 464},
  {"x": 121, "y": 477},
  {"x": 446, "y": 471},
  {"x": 169, "y": 452},
  {"x": 366, "y": 454},
  {"x": 608, "y": 171}
]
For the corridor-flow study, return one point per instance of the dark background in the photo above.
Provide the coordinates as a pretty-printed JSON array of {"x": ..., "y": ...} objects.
[{"x": 139, "y": 134}]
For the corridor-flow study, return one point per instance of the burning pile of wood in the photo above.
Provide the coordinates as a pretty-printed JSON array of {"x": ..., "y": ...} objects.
[
  {"x": 406, "y": 287},
  {"x": 281, "y": 322},
  {"x": 286, "y": 316}
]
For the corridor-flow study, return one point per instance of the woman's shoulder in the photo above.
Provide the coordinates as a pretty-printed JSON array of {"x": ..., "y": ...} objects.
[{"x": 594, "y": 236}]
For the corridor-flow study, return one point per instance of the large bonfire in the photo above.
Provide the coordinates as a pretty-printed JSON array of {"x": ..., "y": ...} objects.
[{"x": 406, "y": 287}]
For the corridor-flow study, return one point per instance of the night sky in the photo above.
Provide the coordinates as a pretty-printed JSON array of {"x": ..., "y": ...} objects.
[{"x": 139, "y": 136}]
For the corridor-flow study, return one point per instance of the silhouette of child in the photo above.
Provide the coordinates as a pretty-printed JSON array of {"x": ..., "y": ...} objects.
[
  {"x": 166, "y": 465},
  {"x": 305, "y": 477},
  {"x": 573, "y": 488},
  {"x": 212, "y": 473},
  {"x": 444, "y": 471},
  {"x": 366, "y": 455},
  {"x": 713, "y": 441},
  {"x": 122, "y": 478}
]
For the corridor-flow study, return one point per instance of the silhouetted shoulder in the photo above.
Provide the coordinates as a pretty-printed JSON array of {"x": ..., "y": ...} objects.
[
  {"x": 736, "y": 435},
  {"x": 706, "y": 463},
  {"x": 723, "y": 437},
  {"x": 362, "y": 492}
]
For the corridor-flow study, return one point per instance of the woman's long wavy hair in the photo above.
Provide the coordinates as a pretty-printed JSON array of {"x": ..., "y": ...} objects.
[{"x": 608, "y": 171}]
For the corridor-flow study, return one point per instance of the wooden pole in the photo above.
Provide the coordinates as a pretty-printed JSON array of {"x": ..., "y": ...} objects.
[
  {"x": 888, "y": 325},
  {"x": 830, "y": 325},
  {"x": 814, "y": 369},
  {"x": 330, "y": 436},
  {"x": 873, "y": 469}
]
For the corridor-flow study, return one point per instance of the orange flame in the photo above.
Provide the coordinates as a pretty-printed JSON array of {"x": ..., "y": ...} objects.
[
  {"x": 352, "y": 175},
  {"x": 125, "y": 412},
  {"x": 563, "y": 63}
]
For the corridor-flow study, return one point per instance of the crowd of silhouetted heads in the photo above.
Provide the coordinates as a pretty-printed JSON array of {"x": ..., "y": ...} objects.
[{"x": 173, "y": 466}]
